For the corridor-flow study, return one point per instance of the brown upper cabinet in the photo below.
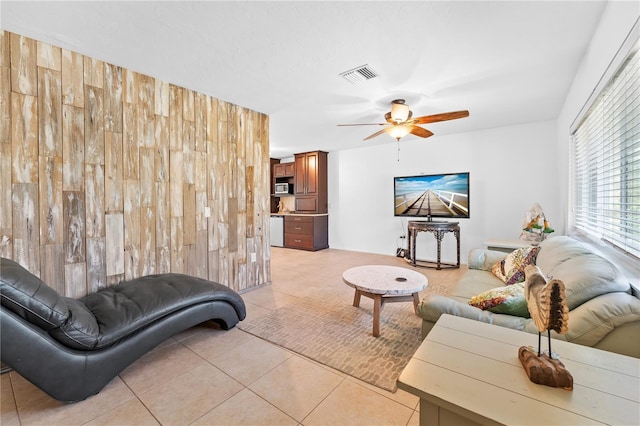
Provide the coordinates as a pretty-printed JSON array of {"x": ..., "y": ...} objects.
[
  {"x": 310, "y": 182},
  {"x": 283, "y": 170}
]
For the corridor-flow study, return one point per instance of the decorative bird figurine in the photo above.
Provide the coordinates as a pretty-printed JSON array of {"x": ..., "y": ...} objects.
[{"x": 547, "y": 304}]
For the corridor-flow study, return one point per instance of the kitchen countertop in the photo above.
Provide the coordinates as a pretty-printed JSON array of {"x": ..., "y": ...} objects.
[{"x": 299, "y": 214}]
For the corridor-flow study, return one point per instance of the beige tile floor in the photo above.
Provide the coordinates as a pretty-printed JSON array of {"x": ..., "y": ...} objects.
[{"x": 207, "y": 376}]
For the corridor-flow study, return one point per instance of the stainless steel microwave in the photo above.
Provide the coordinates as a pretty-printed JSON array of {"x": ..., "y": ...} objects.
[{"x": 283, "y": 188}]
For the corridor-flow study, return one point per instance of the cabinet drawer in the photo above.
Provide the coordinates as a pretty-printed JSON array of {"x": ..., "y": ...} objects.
[
  {"x": 304, "y": 228},
  {"x": 298, "y": 219},
  {"x": 298, "y": 241}
]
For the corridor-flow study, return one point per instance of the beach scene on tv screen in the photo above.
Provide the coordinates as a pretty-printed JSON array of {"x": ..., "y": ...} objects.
[{"x": 444, "y": 195}]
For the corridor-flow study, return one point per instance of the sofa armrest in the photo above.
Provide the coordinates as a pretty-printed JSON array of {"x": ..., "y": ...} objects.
[{"x": 484, "y": 259}]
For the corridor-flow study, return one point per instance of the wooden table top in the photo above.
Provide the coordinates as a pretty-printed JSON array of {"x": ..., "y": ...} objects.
[
  {"x": 384, "y": 279},
  {"x": 472, "y": 369}
]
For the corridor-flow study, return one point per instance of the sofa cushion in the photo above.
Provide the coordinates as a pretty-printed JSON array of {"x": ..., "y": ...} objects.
[
  {"x": 27, "y": 296},
  {"x": 511, "y": 269},
  {"x": 507, "y": 299},
  {"x": 484, "y": 259},
  {"x": 585, "y": 274}
]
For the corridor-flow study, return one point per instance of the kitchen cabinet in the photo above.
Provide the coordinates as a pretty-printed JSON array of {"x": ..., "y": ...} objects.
[
  {"x": 306, "y": 232},
  {"x": 284, "y": 170},
  {"x": 310, "y": 182}
]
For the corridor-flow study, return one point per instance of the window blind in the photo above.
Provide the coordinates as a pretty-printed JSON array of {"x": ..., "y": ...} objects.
[{"x": 605, "y": 165}]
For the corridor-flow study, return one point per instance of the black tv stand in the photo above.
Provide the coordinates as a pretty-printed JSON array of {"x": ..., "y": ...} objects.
[{"x": 438, "y": 229}]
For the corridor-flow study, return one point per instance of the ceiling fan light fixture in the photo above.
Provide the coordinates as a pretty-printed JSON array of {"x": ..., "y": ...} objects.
[
  {"x": 399, "y": 131},
  {"x": 399, "y": 111}
]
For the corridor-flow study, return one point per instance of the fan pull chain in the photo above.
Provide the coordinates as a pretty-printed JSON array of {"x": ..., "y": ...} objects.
[{"x": 398, "y": 150}]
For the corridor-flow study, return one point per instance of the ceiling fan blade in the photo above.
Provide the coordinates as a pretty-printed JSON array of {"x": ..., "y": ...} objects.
[
  {"x": 364, "y": 124},
  {"x": 439, "y": 117},
  {"x": 420, "y": 131},
  {"x": 378, "y": 133}
]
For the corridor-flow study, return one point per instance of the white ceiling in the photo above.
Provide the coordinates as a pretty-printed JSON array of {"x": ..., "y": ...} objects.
[{"x": 507, "y": 62}]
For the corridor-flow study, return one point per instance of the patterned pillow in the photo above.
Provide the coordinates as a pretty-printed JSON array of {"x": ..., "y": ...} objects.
[
  {"x": 511, "y": 268},
  {"x": 508, "y": 300}
]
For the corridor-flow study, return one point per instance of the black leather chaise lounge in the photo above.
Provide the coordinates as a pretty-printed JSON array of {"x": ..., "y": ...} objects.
[{"x": 72, "y": 348}]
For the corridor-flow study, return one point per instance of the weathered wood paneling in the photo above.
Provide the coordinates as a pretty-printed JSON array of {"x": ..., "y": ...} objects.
[
  {"x": 144, "y": 111},
  {"x": 75, "y": 280},
  {"x": 49, "y": 112},
  {"x": 113, "y": 98},
  {"x": 74, "y": 226},
  {"x": 24, "y": 75},
  {"x": 51, "y": 257},
  {"x": 175, "y": 117},
  {"x": 177, "y": 245},
  {"x": 72, "y": 148},
  {"x": 130, "y": 155},
  {"x": 24, "y": 138},
  {"x": 6, "y": 216},
  {"x": 94, "y": 200},
  {"x": 163, "y": 223},
  {"x": 50, "y": 187},
  {"x": 161, "y": 98},
  {"x": 176, "y": 199},
  {"x": 147, "y": 240},
  {"x": 93, "y": 125},
  {"x": 5, "y": 105},
  {"x": 49, "y": 56},
  {"x": 5, "y": 50},
  {"x": 189, "y": 221},
  {"x": 188, "y": 105},
  {"x": 113, "y": 170},
  {"x": 93, "y": 72},
  {"x": 147, "y": 176},
  {"x": 131, "y": 213},
  {"x": 26, "y": 226},
  {"x": 72, "y": 78},
  {"x": 188, "y": 152},
  {"x": 96, "y": 264},
  {"x": 107, "y": 174},
  {"x": 200, "y": 123},
  {"x": 162, "y": 150},
  {"x": 114, "y": 225}
]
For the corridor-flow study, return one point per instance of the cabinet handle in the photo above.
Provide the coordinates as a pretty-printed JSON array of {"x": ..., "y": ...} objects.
[
  {"x": 297, "y": 241},
  {"x": 297, "y": 228}
]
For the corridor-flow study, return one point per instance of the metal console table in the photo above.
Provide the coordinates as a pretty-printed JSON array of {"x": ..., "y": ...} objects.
[{"x": 439, "y": 229}]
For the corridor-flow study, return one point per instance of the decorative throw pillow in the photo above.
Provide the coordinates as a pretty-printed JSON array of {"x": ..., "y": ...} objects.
[
  {"x": 508, "y": 300},
  {"x": 511, "y": 268}
]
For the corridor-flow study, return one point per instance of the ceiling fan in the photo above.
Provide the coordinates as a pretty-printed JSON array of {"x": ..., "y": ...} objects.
[{"x": 399, "y": 122}]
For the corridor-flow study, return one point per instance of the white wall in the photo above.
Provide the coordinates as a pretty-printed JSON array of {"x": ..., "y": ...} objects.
[{"x": 510, "y": 169}]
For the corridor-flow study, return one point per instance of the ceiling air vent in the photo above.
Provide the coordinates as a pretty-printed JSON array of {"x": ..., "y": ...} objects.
[{"x": 359, "y": 74}]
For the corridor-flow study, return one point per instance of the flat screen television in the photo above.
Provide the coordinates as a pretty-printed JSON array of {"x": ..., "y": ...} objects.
[{"x": 440, "y": 195}]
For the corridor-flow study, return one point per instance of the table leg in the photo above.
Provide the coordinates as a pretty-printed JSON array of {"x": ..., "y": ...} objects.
[
  {"x": 412, "y": 250},
  {"x": 416, "y": 302},
  {"x": 457, "y": 235},
  {"x": 377, "y": 304},
  {"x": 439, "y": 242},
  {"x": 356, "y": 299}
]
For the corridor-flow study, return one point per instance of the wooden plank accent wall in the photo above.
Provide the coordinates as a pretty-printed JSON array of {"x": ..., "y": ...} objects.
[{"x": 107, "y": 174}]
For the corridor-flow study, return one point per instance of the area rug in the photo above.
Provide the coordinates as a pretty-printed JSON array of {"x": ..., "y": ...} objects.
[{"x": 327, "y": 328}]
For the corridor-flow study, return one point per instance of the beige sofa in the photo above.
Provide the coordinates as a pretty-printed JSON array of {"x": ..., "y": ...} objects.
[{"x": 604, "y": 309}]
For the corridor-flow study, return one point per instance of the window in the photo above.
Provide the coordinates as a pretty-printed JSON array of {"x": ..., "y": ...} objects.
[{"x": 606, "y": 162}]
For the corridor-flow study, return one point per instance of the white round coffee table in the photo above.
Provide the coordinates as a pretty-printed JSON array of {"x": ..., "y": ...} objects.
[{"x": 384, "y": 283}]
